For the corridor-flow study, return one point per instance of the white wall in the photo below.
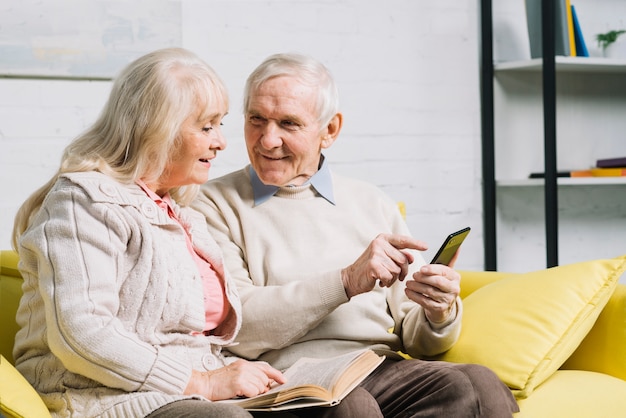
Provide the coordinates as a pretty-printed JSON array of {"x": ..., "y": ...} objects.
[{"x": 408, "y": 77}]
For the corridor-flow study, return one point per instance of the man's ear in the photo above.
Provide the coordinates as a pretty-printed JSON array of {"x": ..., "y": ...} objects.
[{"x": 332, "y": 130}]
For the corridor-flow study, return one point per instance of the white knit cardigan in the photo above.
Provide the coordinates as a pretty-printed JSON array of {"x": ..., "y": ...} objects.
[{"x": 112, "y": 299}]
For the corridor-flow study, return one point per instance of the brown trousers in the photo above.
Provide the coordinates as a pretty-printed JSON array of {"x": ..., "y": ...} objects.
[{"x": 196, "y": 408}]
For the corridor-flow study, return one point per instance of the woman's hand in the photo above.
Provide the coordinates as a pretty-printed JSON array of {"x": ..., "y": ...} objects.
[{"x": 241, "y": 378}]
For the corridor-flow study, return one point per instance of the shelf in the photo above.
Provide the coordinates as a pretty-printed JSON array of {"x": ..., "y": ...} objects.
[
  {"x": 567, "y": 64},
  {"x": 565, "y": 181},
  {"x": 589, "y": 96}
]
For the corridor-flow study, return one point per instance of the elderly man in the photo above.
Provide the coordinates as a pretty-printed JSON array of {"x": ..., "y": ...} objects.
[{"x": 325, "y": 264}]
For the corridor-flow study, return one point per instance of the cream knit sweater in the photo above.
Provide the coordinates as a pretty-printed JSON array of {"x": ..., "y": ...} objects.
[
  {"x": 286, "y": 255},
  {"x": 111, "y": 297}
]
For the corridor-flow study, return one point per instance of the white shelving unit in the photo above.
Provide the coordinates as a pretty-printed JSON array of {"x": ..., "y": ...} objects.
[
  {"x": 590, "y": 121},
  {"x": 590, "y": 116}
]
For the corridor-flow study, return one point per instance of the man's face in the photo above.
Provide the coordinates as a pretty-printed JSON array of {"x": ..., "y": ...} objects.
[{"x": 283, "y": 136}]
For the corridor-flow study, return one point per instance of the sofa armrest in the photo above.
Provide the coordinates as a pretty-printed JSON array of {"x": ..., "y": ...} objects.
[
  {"x": 603, "y": 348},
  {"x": 10, "y": 294},
  {"x": 8, "y": 263}
]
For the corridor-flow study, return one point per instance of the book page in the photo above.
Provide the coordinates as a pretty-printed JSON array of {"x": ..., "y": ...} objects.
[
  {"x": 311, "y": 381},
  {"x": 320, "y": 372}
]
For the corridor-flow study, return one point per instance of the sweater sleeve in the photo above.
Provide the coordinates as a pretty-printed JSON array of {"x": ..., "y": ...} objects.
[
  {"x": 70, "y": 257},
  {"x": 274, "y": 317},
  {"x": 422, "y": 339},
  {"x": 419, "y": 337}
]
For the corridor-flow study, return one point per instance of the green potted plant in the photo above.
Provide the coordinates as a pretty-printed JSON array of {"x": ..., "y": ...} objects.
[{"x": 607, "y": 40}]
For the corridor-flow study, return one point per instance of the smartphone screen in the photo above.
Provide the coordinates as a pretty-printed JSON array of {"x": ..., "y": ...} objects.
[{"x": 450, "y": 246}]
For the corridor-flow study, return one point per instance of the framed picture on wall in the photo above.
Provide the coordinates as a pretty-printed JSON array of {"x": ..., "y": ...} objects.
[{"x": 91, "y": 39}]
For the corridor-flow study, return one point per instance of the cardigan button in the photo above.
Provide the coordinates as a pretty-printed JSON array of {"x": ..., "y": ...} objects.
[
  {"x": 148, "y": 209},
  {"x": 108, "y": 190},
  {"x": 209, "y": 361}
]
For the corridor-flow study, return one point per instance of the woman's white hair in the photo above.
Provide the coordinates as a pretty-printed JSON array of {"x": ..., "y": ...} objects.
[{"x": 138, "y": 129}]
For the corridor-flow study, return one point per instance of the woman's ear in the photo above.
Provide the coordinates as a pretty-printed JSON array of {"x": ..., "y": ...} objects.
[{"x": 331, "y": 132}]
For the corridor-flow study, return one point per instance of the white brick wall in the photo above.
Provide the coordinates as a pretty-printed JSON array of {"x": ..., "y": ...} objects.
[
  {"x": 37, "y": 120},
  {"x": 407, "y": 72}
]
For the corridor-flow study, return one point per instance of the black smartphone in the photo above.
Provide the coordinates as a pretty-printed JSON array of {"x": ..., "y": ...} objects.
[{"x": 449, "y": 246}]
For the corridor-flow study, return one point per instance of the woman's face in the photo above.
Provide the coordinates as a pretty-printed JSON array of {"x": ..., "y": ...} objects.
[{"x": 200, "y": 139}]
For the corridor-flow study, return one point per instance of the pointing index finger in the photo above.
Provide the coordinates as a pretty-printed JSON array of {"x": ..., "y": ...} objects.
[{"x": 402, "y": 242}]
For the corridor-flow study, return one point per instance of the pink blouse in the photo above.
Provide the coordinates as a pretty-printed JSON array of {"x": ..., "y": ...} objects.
[{"x": 215, "y": 302}]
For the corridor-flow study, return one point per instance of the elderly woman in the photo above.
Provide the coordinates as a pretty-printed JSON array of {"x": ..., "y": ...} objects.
[{"x": 126, "y": 303}]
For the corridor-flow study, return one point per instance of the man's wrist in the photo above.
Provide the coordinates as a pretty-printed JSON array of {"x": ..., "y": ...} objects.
[
  {"x": 449, "y": 318},
  {"x": 345, "y": 279}
]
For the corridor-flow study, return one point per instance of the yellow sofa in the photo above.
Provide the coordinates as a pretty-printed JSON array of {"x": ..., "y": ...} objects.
[
  {"x": 17, "y": 397},
  {"x": 589, "y": 382}
]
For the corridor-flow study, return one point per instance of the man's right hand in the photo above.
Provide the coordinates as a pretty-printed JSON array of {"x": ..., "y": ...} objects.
[{"x": 383, "y": 261}]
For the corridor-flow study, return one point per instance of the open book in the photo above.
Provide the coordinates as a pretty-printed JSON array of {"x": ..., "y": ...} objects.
[{"x": 315, "y": 382}]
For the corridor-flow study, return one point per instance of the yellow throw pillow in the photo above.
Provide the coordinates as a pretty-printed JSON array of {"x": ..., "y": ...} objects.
[
  {"x": 525, "y": 326},
  {"x": 17, "y": 397}
]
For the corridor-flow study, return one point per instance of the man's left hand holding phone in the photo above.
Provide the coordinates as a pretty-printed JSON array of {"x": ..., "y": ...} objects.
[{"x": 436, "y": 286}]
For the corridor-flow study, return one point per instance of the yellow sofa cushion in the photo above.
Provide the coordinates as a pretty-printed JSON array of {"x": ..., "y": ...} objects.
[
  {"x": 474, "y": 280},
  {"x": 525, "y": 326},
  {"x": 17, "y": 396},
  {"x": 576, "y": 393}
]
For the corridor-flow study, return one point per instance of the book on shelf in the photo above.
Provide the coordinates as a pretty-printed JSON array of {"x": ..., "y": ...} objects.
[
  {"x": 541, "y": 175},
  {"x": 581, "y": 45},
  {"x": 591, "y": 172},
  {"x": 570, "y": 28},
  {"x": 611, "y": 162},
  {"x": 561, "y": 28},
  {"x": 315, "y": 382},
  {"x": 608, "y": 172},
  {"x": 571, "y": 173}
]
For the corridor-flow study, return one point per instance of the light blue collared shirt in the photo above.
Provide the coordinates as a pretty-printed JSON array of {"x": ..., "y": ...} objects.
[{"x": 321, "y": 181}]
